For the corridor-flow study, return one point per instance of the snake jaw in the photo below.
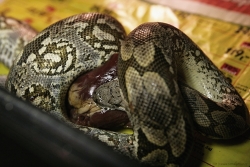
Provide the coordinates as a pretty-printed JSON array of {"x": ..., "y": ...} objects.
[
  {"x": 87, "y": 106},
  {"x": 95, "y": 100},
  {"x": 88, "y": 113}
]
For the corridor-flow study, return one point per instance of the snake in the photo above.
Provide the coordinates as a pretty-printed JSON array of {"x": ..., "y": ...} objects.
[
  {"x": 167, "y": 84},
  {"x": 14, "y": 35}
]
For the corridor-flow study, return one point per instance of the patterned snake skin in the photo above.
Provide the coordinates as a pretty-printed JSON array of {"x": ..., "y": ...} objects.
[
  {"x": 14, "y": 35},
  {"x": 166, "y": 84}
]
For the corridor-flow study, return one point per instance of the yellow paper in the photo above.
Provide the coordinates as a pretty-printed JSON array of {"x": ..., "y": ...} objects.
[{"x": 226, "y": 45}]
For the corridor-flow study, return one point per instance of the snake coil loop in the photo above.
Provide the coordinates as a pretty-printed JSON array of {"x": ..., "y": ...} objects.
[{"x": 166, "y": 81}]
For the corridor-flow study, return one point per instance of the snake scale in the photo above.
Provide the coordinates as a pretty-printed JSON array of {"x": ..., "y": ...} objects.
[
  {"x": 14, "y": 34},
  {"x": 168, "y": 85}
]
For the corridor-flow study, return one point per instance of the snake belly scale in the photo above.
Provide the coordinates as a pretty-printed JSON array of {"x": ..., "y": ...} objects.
[{"x": 166, "y": 80}]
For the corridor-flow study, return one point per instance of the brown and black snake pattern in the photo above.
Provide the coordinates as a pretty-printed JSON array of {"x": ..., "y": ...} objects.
[{"x": 165, "y": 80}]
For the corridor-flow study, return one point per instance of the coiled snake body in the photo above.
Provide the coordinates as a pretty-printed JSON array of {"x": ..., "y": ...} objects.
[{"x": 166, "y": 81}]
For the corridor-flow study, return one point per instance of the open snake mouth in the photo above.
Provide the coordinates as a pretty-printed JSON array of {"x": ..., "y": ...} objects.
[{"x": 94, "y": 99}]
